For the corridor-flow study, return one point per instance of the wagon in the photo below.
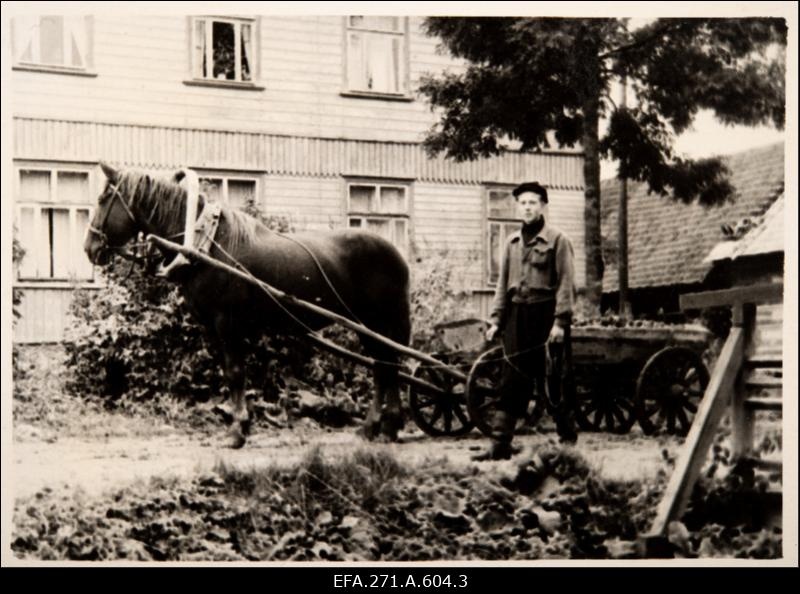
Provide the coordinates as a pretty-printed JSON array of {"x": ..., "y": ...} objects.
[{"x": 653, "y": 375}]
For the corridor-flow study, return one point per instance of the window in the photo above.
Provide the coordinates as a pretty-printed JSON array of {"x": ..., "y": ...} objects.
[
  {"x": 223, "y": 49},
  {"x": 503, "y": 221},
  {"x": 376, "y": 55},
  {"x": 61, "y": 42},
  {"x": 52, "y": 217},
  {"x": 236, "y": 192},
  {"x": 380, "y": 208}
]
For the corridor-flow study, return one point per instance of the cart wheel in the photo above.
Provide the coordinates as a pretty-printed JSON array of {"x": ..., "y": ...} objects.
[
  {"x": 610, "y": 408},
  {"x": 483, "y": 397},
  {"x": 669, "y": 390},
  {"x": 439, "y": 414}
]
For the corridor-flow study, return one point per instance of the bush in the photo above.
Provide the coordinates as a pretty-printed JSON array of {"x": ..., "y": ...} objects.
[
  {"x": 437, "y": 297},
  {"x": 17, "y": 253}
]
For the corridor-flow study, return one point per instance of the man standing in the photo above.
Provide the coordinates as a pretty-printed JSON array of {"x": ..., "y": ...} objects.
[{"x": 532, "y": 306}]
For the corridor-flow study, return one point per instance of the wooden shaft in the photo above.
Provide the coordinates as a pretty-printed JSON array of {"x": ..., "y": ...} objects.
[
  {"x": 291, "y": 300},
  {"x": 421, "y": 384}
]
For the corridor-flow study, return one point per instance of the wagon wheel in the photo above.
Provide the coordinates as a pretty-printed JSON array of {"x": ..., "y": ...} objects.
[
  {"x": 609, "y": 408},
  {"x": 439, "y": 414},
  {"x": 669, "y": 390},
  {"x": 483, "y": 396}
]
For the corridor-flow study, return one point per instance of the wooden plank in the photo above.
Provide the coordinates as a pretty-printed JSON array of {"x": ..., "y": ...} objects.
[
  {"x": 741, "y": 417},
  {"x": 759, "y": 361},
  {"x": 765, "y": 464},
  {"x": 701, "y": 435},
  {"x": 755, "y": 404},
  {"x": 765, "y": 293}
]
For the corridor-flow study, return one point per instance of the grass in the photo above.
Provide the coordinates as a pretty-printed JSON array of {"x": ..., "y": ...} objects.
[{"x": 43, "y": 410}]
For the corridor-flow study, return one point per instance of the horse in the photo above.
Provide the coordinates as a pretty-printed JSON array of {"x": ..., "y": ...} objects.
[{"x": 354, "y": 273}]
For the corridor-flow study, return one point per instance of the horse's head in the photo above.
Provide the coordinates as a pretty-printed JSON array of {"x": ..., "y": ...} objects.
[{"x": 113, "y": 224}]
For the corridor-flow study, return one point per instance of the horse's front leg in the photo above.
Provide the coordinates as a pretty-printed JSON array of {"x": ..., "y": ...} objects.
[{"x": 235, "y": 373}]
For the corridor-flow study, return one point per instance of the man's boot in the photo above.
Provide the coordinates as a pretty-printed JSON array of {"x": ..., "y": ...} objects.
[{"x": 500, "y": 448}]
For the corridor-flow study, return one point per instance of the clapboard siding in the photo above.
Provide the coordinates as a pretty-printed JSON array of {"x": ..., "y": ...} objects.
[
  {"x": 171, "y": 147},
  {"x": 43, "y": 315},
  {"x": 565, "y": 211},
  {"x": 769, "y": 331},
  {"x": 448, "y": 222},
  {"x": 142, "y": 62},
  {"x": 308, "y": 203}
]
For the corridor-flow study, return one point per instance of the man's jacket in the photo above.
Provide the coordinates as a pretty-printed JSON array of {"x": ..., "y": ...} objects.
[{"x": 535, "y": 271}]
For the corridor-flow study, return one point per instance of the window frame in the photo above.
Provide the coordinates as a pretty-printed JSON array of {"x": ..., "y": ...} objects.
[
  {"x": 225, "y": 178},
  {"x": 504, "y": 222},
  {"x": 364, "y": 215},
  {"x": 405, "y": 80},
  {"x": 255, "y": 61},
  {"x": 87, "y": 69},
  {"x": 53, "y": 203}
]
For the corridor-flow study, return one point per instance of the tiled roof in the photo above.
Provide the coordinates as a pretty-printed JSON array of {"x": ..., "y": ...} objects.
[{"x": 668, "y": 241}]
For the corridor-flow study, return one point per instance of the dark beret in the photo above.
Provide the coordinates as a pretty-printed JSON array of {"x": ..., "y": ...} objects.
[{"x": 531, "y": 187}]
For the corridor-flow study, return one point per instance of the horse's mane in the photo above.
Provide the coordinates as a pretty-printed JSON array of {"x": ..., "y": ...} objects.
[{"x": 163, "y": 202}]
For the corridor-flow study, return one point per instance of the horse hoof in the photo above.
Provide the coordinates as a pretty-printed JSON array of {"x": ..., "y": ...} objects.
[
  {"x": 390, "y": 426},
  {"x": 369, "y": 431},
  {"x": 236, "y": 440}
]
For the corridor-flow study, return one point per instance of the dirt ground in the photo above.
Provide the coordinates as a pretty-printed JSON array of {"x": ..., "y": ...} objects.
[
  {"x": 63, "y": 443},
  {"x": 99, "y": 463}
]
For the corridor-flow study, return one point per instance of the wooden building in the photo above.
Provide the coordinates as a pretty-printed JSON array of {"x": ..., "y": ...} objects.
[
  {"x": 669, "y": 242},
  {"x": 315, "y": 117}
]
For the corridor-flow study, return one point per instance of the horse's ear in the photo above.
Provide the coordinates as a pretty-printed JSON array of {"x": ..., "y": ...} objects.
[
  {"x": 111, "y": 173},
  {"x": 179, "y": 175}
]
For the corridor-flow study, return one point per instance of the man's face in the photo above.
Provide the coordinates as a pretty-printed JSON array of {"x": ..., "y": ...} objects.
[{"x": 530, "y": 206}]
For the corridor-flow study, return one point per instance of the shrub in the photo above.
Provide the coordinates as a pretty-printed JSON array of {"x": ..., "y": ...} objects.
[
  {"x": 437, "y": 296},
  {"x": 17, "y": 254}
]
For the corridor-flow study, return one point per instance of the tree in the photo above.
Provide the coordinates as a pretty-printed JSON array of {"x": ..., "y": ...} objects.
[{"x": 529, "y": 80}]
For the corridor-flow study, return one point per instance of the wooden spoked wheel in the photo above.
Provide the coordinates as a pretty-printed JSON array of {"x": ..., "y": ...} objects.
[
  {"x": 609, "y": 406},
  {"x": 439, "y": 414},
  {"x": 669, "y": 390}
]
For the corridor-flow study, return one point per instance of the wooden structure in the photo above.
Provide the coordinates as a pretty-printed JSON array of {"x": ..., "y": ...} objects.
[
  {"x": 733, "y": 376},
  {"x": 304, "y": 122}
]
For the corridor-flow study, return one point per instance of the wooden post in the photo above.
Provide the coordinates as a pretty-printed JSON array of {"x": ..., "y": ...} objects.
[
  {"x": 622, "y": 229},
  {"x": 744, "y": 316}
]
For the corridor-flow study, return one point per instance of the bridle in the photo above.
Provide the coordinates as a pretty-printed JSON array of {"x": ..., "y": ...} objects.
[
  {"x": 122, "y": 250},
  {"x": 98, "y": 231}
]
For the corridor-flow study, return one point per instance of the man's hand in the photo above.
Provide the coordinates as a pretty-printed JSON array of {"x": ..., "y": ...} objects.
[
  {"x": 491, "y": 332},
  {"x": 556, "y": 334}
]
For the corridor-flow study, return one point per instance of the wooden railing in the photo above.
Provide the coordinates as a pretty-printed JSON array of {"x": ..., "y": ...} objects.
[{"x": 727, "y": 387}]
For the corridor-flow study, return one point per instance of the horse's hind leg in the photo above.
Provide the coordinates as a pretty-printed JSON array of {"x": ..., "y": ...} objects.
[
  {"x": 387, "y": 385},
  {"x": 384, "y": 417}
]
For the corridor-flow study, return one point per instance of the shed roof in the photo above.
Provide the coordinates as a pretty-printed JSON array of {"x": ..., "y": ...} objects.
[{"x": 669, "y": 241}]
